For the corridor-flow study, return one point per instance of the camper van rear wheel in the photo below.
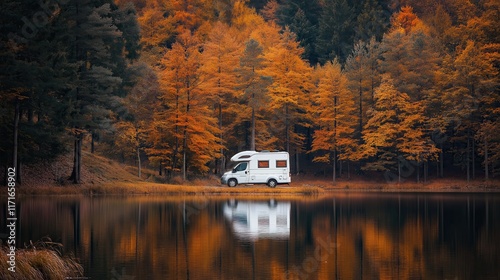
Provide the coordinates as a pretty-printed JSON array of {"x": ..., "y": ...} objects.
[
  {"x": 232, "y": 182},
  {"x": 272, "y": 183}
]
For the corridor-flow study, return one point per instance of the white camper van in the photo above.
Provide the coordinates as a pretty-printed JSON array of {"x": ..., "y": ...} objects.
[{"x": 265, "y": 167}]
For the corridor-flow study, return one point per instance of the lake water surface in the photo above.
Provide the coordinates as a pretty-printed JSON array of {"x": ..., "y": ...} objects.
[{"x": 343, "y": 236}]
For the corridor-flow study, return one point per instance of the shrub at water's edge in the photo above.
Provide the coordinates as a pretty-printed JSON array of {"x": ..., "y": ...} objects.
[{"x": 42, "y": 260}]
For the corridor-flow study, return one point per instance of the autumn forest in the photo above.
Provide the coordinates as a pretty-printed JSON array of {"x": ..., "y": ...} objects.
[{"x": 348, "y": 88}]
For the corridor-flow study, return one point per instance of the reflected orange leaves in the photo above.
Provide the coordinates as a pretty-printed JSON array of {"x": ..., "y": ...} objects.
[{"x": 179, "y": 239}]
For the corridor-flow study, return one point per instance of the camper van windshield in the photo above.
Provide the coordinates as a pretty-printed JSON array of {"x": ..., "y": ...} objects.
[{"x": 240, "y": 167}]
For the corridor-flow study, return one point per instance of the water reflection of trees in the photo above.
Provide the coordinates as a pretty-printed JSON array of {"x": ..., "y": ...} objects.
[{"x": 387, "y": 237}]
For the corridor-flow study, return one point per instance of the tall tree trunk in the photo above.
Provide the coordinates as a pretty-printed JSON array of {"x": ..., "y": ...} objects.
[
  {"x": 17, "y": 113},
  {"x": 360, "y": 109},
  {"x": 473, "y": 156},
  {"x": 184, "y": 140},
  {"x": 348, "y": 170},
  {"x": 77, "y": 158},
  {"x": 441, "y": 162},
  {"x": 287, "y": 134},
  {"x": 176, "y": 129},
  {"x": 399, "y": 170},
  {"x": 252, "y": 137},
  {"x": 437, "y": 169},
  {"x": 418, "y": 172},
  {"x": 467, "y": 160},
  {"x": 184, "y": 145},
  {"x": 222, "y": 164},
  {"x": 334, "y": 165},
  {"x": 297, "y": 161},
  {"x": 139, "y": 167},
  {"x": 426, "y": 170},
  {"x": 486, "y": 175},
  {"x": 92, "y": 144}
]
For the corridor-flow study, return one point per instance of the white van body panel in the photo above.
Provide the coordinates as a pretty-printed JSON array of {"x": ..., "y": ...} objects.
[{"x": 259, "y": 168}]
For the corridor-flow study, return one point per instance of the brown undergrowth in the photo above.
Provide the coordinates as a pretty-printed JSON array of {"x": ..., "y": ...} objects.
[{"x": 102, "y": 176}]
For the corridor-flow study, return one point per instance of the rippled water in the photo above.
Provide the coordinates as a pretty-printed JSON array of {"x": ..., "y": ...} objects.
[{"x": 343, "y": 236}]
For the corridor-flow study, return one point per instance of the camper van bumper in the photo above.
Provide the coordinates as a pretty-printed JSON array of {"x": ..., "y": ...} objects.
[{"x": 223, "y": 179}]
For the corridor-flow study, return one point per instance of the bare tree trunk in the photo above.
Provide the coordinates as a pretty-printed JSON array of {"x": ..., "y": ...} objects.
[
  {"x": 348, "y": 170},
  {"x": 399, "y": 170},
  {"x": 360, "y": 109},
  {"x": 92, "y": 144},
  {"x": 486, "y": 175},
  {"x": 418, "y": 172},
  {"x": 441, "y": 162},
  {"x": 287, "y": 134},
  {"x": 426, "y": 170},
  {"x": 334, "y": 165},
  {"x": 139, "y": 161},
  {"x": 297, "y": 163},
  {"x": 77, "y": 158},
  {"x": 184, "y": 161},
  {"x": 252, "y": 137},
  {"x": 473, "y": 159},
  {"x": 467, "y": 160},
  {"x": 17, "y": 114},
  {"x": 221, "y": 163}
]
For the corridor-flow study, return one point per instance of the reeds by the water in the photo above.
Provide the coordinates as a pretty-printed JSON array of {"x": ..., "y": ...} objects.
[{"x": 40, "y": 260}]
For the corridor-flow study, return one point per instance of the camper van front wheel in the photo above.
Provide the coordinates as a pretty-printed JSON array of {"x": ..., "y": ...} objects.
[
  {"x": 272, "y": 183},
  {"x": 232, "y": 182}
]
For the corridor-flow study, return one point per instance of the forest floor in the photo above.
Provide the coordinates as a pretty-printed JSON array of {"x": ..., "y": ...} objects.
[{"x": 102, "y": 176}]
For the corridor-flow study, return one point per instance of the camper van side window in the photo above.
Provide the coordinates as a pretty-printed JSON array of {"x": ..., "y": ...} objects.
[
  {"x": 263, "y": 164},
  {"x": 281, "y": 163}
]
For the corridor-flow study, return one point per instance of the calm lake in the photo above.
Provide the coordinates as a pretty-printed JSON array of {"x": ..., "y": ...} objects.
[{"x": 343, "y": 236}]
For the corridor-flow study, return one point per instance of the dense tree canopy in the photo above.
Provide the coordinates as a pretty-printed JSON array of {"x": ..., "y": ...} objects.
[{"x": 183, "y": 85}]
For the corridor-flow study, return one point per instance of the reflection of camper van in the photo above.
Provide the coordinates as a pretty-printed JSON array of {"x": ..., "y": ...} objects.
[
  {"x": 253, "y": 220},
  {"x": 263, "y": 167}
]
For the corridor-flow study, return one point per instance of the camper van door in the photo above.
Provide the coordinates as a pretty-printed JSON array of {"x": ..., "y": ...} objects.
[{"x": 242, "y": 173}]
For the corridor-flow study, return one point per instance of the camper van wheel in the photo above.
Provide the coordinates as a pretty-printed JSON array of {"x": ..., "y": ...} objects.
[
  {"x": 232, "y": 183},
  {"x": 272, "y": 183}
]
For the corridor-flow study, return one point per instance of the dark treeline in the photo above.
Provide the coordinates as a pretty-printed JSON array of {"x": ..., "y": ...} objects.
[
  {"x": 64, "y": 66},
  {"x": 344, "y": 86}
]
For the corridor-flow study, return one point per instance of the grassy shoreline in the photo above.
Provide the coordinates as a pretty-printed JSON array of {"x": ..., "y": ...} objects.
[
  {"x": 102, "y": 176},
  {"x": 301, "y": 188}
]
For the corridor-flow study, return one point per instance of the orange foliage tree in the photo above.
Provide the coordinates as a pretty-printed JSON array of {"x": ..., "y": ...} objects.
[
  {"x": 253, "y": 94},
  {"x": 185, "y": 113},
  {"x": 394, "y": 131},
  {"x": 332, "y": 108},
  {"x": 289, "y": 91},
  {"x": 221, "y": 53}
]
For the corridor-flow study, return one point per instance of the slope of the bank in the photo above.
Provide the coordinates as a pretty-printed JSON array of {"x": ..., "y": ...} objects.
[{"x": 102, "y": 176}]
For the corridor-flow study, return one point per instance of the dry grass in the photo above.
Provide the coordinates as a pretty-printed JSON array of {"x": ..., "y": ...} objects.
[
  {"x": 43, "y": 260},
  {"x": 102, "y": 176},
  {"x": 440, "y": 185},
  {"x": 147, "y": 188}
]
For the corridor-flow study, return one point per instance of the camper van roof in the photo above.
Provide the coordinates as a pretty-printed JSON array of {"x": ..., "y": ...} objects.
[
  {"x": 246, "y": 155},
  {"x": 243, "y": 156}
]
